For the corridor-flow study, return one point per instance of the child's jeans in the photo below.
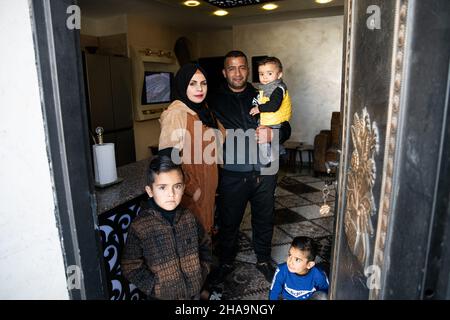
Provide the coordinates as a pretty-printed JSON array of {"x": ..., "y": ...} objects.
[{"x": 267, "y": 150}]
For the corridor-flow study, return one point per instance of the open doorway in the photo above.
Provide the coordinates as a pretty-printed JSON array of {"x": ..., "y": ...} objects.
[{"x": 310, "y": 46}]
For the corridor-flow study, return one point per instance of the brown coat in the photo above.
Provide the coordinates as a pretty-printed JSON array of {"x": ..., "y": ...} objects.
[
  {"x": 199, "y": 175},
  {"x": 166, "y": 261}
]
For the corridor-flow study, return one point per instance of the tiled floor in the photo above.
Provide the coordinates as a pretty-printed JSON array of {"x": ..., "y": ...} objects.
[{"x": 298, "y": 200}]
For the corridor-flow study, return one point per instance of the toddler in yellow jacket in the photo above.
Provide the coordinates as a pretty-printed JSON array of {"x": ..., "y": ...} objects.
[{"x": 274, "y": 103}]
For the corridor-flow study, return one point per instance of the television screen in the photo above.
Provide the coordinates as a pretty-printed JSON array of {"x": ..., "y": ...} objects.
[{"x": 157, "y": 87}]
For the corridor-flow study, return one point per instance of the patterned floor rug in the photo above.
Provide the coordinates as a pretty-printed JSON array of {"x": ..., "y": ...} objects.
[{"x": 298, "y": 199}]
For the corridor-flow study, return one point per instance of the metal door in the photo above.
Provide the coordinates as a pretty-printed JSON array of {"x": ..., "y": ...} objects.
[{"x": 393, "y": 186}]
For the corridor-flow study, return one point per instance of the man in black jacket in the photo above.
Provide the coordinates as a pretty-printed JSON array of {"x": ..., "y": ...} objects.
[{"x": 243, "y": 176}]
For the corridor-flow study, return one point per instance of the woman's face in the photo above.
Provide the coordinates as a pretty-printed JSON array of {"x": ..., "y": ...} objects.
[{"x": 197, "y": 88}]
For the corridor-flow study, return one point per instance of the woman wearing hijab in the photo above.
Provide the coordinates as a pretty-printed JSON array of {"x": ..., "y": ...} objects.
[{"x": 185, "y": 126}]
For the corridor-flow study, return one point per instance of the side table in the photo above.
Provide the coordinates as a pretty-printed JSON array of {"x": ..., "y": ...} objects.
[
  {"x": 292, "y": 148},
  {"x": 310, "y": 149}
]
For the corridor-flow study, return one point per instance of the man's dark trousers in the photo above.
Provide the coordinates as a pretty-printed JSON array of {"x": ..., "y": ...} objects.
[{"x": 235, "y": 191}]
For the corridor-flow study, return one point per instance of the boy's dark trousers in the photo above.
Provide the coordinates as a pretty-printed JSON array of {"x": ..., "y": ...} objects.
[{"x": 234, "y": 193}]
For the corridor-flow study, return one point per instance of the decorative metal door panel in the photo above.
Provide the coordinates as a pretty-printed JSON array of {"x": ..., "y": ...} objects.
[{"x": 394, "y": 108}]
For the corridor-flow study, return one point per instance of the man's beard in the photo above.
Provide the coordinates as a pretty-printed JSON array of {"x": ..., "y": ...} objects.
[{"x": 239, "y": 87}]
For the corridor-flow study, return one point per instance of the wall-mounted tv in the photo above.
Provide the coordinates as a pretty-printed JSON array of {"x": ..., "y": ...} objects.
[{"x": 157, "y": 87}]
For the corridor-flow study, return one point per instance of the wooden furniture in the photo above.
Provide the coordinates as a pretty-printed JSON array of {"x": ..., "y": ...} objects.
[
  {"x": 292, "y": 150},
  {"x": 326, "y": 144},
  {"x": 308, "y": 148},
  {"x": 109, "y": 102}
]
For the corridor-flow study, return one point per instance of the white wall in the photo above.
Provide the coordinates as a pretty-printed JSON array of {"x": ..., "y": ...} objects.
[
  {"x": 311, "y": 53},
  {"x": 214, "y": 43},
  {"x": 31, "y": 261}
]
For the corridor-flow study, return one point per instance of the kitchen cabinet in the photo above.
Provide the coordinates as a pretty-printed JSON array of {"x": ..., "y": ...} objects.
[{"x": 109, "y": 102}]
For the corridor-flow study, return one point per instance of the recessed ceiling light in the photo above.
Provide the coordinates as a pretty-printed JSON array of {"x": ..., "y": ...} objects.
[
  {"x": 220, "y": 13},
  {"x": 270, "y": 6},
  {"x": 191, "y": 3},
  {"x": 323, "y": 1}
]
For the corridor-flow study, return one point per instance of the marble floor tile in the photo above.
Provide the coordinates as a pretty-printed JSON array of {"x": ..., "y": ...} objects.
[
  {"x": 311, "y": 212},
  {"x": 305, "y": 228},
  {"x": 292, "y": 201},
  {"x": 279, "y": 253},
  {"x": 305, "y": 171},
  {"x": 316, "y": 197},
  {"x": 279, "y": 236},
  {"x": 286, "y": 215},
  {"x": 297, "y": 171},
  {"x": 326, "y": 223},
  {"x": 298, "y": 188},
  {"x": 279, "y": 192},
  {"x": 307, "y": 179},
  {"x": 288, "y": 181},
  {"x": 333, "y": 193},
  {"x": 321, "y": 185},
  {"x": 318, "y": 185},
  {"x": 278, "y": 205}
]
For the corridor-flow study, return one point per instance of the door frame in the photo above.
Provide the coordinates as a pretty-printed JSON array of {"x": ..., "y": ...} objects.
[
  {"x": 423, "y": 273},
  {"x": 59, "y": 65}
]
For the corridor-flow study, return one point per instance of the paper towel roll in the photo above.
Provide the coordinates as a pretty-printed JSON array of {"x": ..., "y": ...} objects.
[{"x": 104, "y": 163}]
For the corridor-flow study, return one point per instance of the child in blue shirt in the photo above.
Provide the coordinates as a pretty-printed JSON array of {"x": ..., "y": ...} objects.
[{"x": 298, "y": 278}]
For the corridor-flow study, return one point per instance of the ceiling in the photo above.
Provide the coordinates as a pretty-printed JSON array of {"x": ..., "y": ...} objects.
[
  {"x": 236, "y": 3},
  {"x": 173, "y": 12}
]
